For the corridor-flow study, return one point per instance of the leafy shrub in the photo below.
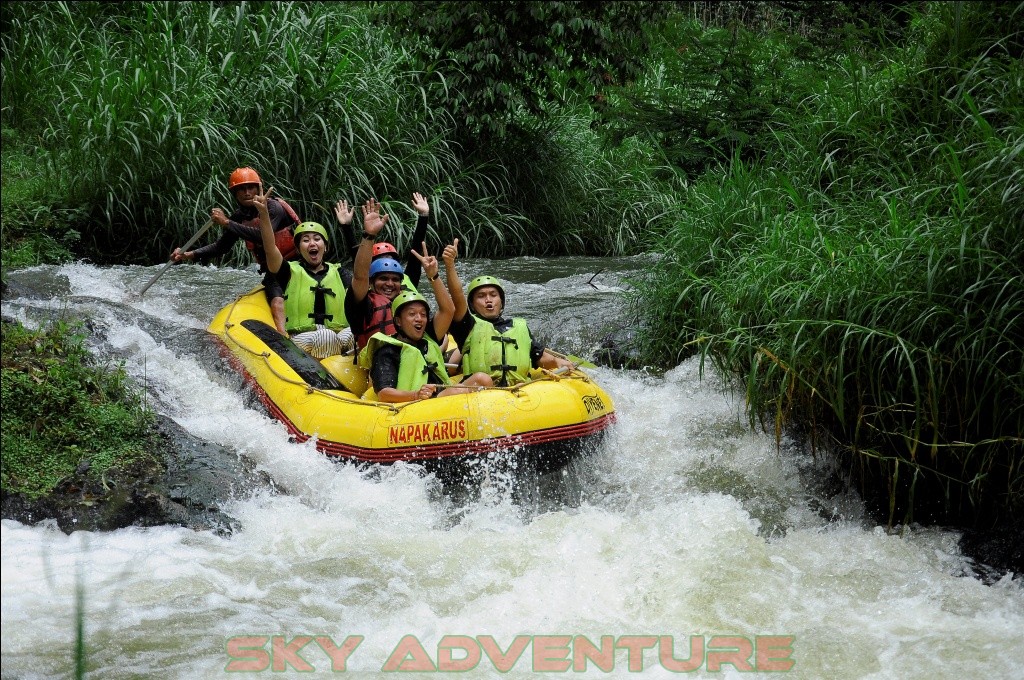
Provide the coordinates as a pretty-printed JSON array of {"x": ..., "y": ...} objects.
[
  {"x": 864, "y": 277},
  {"x": 61, "y": 410}
]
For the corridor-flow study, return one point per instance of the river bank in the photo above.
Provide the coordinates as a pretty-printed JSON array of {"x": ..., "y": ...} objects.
[{"x": 187, "y": 485}]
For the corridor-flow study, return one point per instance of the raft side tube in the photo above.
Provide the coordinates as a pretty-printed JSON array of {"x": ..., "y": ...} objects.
[{"x": 307, "y": 368}]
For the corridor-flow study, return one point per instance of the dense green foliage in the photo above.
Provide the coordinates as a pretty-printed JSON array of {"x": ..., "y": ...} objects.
[
  {"x": 142, "y": 109},
  {"x": 712, "y": 93},
  {"x": 36, "y": 228},
  {"x": 863, "y": 273},
  {"x": 512, "y": 57},
  {"x": 62, "y": 411}
]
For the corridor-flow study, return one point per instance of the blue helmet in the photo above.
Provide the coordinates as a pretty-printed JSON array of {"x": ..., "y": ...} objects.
[{"x": 386, "y": 264}]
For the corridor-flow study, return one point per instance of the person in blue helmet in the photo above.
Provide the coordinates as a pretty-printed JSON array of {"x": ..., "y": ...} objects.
[
  {"x": 314, "y": 290},
  {"x": 377, "y": 282}
]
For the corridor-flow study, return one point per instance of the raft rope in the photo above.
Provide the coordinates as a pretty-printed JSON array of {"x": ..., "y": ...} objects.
[{"x": 228, "y": 326}]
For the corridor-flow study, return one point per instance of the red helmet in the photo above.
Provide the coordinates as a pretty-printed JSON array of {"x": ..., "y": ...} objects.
[
  {"x": 243, "y": 176},
  {"x": 384, "y": 249}
]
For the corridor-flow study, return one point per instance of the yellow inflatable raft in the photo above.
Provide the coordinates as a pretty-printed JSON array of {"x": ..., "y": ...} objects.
[{"x": 551, "y": 419}]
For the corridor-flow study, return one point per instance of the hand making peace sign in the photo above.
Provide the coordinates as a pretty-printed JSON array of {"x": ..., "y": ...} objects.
[
  {"x": 428, "y": 261},
  {"x": 260, "y": 199}
]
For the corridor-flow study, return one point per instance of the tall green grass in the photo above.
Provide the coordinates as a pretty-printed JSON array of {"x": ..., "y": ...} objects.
[
  {"x": 146, "y": 107},
  {"x": 864, "y": 277},
  {"x": 36, "y": 227},
  {"x": 582, "y": 195}
]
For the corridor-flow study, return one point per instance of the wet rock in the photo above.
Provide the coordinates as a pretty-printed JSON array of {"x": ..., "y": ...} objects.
[
  {"x": 187, "y": 488},
  {"x": 997, "y": 550},
  {"x": 619, "y": 349}
]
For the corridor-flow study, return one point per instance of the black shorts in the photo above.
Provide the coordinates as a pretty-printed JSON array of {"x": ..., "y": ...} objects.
[{"x": 271, "y": 287}]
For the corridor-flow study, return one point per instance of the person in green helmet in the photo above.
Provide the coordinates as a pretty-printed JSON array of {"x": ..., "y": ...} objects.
[
  {"x": 314, "y": 290},
  {"x": 409, "y": 365},
  {"x": 502, "y": 348}
]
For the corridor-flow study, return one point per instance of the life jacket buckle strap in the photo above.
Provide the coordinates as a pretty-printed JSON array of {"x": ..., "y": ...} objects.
[{"x": 321, "y": 290}]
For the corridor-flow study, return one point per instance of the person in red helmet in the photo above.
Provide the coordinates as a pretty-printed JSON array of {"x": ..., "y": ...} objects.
[
  {"x": 412, "y": 268},
  {"x": 243, "y": 224},
  {"x": 377, "y": 281}
]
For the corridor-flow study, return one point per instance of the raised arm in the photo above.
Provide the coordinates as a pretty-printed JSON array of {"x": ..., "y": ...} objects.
[
  {"x": 412, "y": 265},
  {"x": 274, "y": 257},
  {"x": 451, "y": 252},
  {"x": 373, "y": 223},
  {"x": 445, "y": 307},
  {"x": 343, "y": 212}
]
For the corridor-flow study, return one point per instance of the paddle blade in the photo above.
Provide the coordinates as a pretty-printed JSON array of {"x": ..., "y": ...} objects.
[{"x": 582, "y": 363}]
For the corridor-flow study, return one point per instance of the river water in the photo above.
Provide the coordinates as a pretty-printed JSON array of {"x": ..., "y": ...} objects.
[{"x": 688, "y": 531}]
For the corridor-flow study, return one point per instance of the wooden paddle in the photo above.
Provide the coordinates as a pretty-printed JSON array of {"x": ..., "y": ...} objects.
[
  {"x": 578, "y": 361},
  {"x": 184, "y": 248}
]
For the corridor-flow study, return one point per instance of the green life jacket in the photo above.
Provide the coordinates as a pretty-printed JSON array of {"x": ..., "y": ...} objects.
[
  {"x": 407, "y": 284},
  {"x": 504, "y": 356},
  {"x": 413, "y": 369},
  {"x": 300, "y": 300}
]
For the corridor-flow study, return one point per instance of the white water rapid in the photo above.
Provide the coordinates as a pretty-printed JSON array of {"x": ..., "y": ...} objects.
[{"x": 688, "y": 524}]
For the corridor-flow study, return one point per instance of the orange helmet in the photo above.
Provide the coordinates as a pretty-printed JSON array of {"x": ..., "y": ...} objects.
[{"x": 243, "y": 176}]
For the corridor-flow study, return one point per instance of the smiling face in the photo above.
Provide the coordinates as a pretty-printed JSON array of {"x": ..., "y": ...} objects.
[
  {"x": 486, "y": 302},
  {"x": 412, "y": 320},
  {"x": 312, "y": 248},
  {"x": 387, "y": 284},
  {"x": 244, "y": 194}
]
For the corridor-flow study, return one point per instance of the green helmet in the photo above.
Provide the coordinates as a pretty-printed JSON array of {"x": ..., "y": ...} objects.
[
  {"x": 404, "y": 298},
  {"x": 310, "y": 227},
  {"x": 482, "y": 281}
]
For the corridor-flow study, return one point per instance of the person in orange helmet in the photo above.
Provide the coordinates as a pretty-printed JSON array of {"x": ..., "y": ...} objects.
[{"x": 244, "y": 224}]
